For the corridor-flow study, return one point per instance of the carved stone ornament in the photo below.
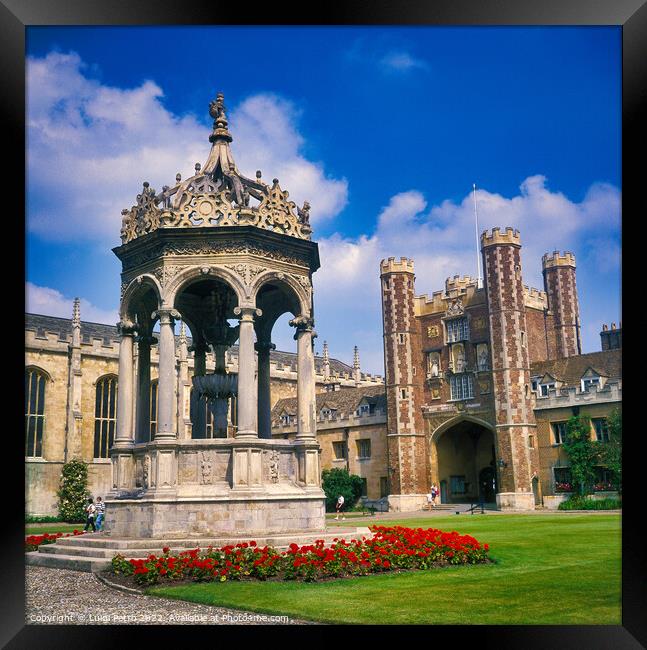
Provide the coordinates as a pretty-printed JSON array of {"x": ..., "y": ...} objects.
[
  {"x": 124, "y": 286},
  {"x": 172, "y": 249},
  {"x": 274, "y": 466},
  {"x": 206, "y": 468},
  {"x": 146, "y": 471},
  {"x": 432, "y": 331},
  {"x": 478, "y": 323},
  {"x": 126, "y": 328},
  {"x": 455, "y": 308},
  {"x": 217, "y": 195},
  {"x": 302, "y": 323},
  {"x": 165, "y": 274}
]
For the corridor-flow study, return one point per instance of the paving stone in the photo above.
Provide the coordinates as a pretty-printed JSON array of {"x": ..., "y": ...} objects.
[{"x": 63, "y": 597}]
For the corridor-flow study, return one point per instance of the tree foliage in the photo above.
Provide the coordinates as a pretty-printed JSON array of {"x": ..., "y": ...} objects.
[
  {"x": 612, "y": 450},
  {"x": 73, "y": 493},
  {"x": 584, "y": 453},
  {"x": 338, "y": 481}
]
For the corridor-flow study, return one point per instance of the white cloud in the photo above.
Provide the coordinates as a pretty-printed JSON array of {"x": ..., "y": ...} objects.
[
  {"x": 51, "y": 302},
  {"x": 442, "y": 242},
  {"x": 90, "y": 146},
  {"x": 402, "y": 61}
]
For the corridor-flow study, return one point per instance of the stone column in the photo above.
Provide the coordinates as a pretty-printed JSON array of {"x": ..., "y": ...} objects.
[
  {"x": 306, "y": 402},
  {"x": 247, "y": 388},
  {"x": 183, "y": 384},
  {"x": 199, "y": 422},
  {"x": 166, "y": 403},
  {"x": 264, "y": 396},
  {"x": 144, "y": 343},
  {"x": 125, "y": 434}
]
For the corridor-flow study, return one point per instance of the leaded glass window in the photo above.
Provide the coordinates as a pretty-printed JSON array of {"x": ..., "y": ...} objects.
[
  {"x": 105, "y": 416},
  {"x": 35, "y": 381},
  {"x": 461, "y": 386},
  {"x": 457, "y": 330}
]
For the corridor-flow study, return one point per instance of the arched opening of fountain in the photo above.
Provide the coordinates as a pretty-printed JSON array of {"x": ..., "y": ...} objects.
[
  {"x": 207, "y": 307},
  {"x": 274, "y": 298}
]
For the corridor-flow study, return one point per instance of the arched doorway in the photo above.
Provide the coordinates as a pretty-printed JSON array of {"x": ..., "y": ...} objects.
[{"x": 463, "y": 462}]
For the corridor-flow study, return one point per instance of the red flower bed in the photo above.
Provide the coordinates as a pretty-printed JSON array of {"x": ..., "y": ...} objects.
[
  {"x": 390, "y": 548},
  {"x": 32, "y": 542}
]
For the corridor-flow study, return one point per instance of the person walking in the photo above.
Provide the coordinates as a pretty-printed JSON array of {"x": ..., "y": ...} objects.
[
  {"x": 339, "y": 506},
  {"x": 101, "y": 508},
  {"x": 90, "y": 512},
  {"x": 434, "y": 494},
  {"x": 430, "y": 499}
]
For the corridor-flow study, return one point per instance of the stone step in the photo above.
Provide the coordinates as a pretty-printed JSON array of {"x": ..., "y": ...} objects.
[
  {"x": 94, "y": 552},
  {"x": 118, "y": 544},
  {"x": 103, "y": 553},
  {"x": 72, "y": 562}
]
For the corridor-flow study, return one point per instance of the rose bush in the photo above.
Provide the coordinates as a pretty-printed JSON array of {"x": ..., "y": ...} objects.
[
  {"x": 388, "y": 549},
  {"x": 32, "y": 542}
]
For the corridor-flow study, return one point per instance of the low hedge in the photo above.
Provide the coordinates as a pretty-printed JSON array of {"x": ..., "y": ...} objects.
[
  {"x": 586, "y": 503},
  {"x": 43, "y": 519}
]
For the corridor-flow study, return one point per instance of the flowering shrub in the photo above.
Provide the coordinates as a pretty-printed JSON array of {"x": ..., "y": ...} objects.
[
  {"x": 390, "y": 548},
  {"x": 563, "y": 487},
  {"x": 32, "y": 542},
  {"x": 603, "y": 487}
]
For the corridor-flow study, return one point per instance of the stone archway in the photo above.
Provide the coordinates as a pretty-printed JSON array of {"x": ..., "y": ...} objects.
[{"x": 464, "y": 461}]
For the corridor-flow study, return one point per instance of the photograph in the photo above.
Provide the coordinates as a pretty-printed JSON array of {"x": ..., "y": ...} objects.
[{"x": 323, "y": 325}]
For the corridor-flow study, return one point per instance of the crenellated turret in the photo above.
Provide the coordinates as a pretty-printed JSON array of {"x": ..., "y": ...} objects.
[
  {"x": 515, "y": 420},
  {"x": 559, "y": 283}
]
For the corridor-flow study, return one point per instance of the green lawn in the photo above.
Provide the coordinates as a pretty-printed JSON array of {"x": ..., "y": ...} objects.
[
  {"x": 32, "y": 529},
  {"x": 550, "y": 569}
]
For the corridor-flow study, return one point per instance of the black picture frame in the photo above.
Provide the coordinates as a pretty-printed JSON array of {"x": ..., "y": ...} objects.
[{"x": 16, "y": 15}]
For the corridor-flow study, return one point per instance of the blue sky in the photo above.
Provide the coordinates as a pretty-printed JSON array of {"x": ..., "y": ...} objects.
[{"x": 383, "y": 130}]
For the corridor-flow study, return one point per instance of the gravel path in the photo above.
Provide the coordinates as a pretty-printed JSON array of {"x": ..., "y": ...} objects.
[{"x": 59, "y": 596}]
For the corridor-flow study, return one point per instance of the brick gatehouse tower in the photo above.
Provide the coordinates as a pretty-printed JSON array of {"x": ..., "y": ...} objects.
[{"x": 459, "y": 398}]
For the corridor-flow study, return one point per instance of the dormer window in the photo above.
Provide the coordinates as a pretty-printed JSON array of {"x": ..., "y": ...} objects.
[
  {"x": 544, "y": 388},
  {"x": 590, "y": 378},
  {"x": 364, "y": 409},
  {"x": 587, "y": 382},
  {"x": 544, "y": 385},
  {"x": 286, "y": 419},
  {"x": 327, "y": 412}
]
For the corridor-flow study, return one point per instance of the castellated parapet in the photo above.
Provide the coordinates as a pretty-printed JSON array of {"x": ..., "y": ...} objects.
[
  {"x": 458, "y": 283},
  {"x": 555, "y": 259},
  {"x": 495, "y": 236},
  {"x": 534, "y": 298},
  {"x": 405, "y": 265}
]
